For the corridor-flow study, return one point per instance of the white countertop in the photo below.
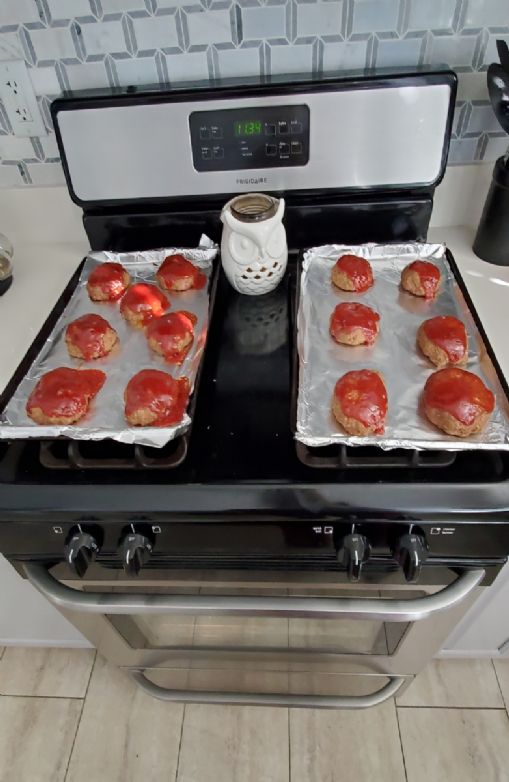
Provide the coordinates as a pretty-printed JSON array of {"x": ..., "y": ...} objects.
[
  {"x": 487, "y": 284},
  {"x": 41, "y": 271}
]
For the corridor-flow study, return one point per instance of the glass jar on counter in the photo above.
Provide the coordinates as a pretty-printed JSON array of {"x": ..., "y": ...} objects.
[{"x": 6, "y": 253}]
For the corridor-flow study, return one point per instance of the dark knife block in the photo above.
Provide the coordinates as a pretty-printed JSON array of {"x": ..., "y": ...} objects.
[{"x": 492, "y": 239}]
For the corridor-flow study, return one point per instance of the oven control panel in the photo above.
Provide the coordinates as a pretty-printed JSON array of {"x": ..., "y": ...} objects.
[{"x": 242, "y": 138}]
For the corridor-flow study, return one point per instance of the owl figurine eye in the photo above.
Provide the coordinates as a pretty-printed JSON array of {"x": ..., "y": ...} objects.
[
  {"x": 276, "y": 244},
  {"x": 253, "y": 246},
  {"x": 243, "y": 249}
]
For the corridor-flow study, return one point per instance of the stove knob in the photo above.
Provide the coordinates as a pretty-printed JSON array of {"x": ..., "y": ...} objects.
[
  {"x": 80, "y": 551},
  {"x": 354, "y": 552},
  {"x": 136, "y": 550},
  {"x": 411, "y": 552}
]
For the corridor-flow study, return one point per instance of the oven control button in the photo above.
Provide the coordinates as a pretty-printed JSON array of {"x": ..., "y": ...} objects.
[
  {"x": 411, "y": 551},
  {"x": 354, "y": 552},
  {"x": 80, "y": 551},
  {"x": 136, "y": 551}
]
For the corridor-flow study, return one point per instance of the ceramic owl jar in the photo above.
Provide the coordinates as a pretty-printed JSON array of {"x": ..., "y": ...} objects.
[{"x": 253, "y": 247}]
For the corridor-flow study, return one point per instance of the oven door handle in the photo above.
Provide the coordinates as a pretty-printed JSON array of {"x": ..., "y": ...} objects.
[
  {"x": 290, "y": 700},
  {"x": 382, "y": 609}
]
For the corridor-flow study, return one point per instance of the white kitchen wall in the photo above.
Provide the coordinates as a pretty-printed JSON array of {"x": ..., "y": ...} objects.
[{"x": 78, "y": 44}]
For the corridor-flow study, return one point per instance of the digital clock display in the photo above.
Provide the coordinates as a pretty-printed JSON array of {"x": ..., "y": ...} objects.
[{"x": 247, "y": 128}]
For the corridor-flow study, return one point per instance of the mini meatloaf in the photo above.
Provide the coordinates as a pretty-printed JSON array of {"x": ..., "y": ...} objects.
[
  {"x": 63, "y": 395},
  {"x": 142, "y": 303},
  {"x": 89, "y": 337},
  {"x": 457, "y": 401},
  {"x": 352, "y": 273},
  {"x": 359, "y": 402},
  {"x": 443, "y": 340},
  {"x": 176, "y": 273},
  {"x": 172, "y": 335},
  {"x": 108, "y": 282},
  {"x": 155, "y": 398},
  {"x": 354, "y": 324},
  {"x": 421, "y": 278}
]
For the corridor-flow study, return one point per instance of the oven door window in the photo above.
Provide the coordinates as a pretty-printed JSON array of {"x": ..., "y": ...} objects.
[{"x": 336, "y": 636}]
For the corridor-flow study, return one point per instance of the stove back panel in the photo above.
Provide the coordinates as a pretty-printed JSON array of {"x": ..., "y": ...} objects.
[
  {"x": 339, "y": 134},
  {"x": 313, "y": 222}
]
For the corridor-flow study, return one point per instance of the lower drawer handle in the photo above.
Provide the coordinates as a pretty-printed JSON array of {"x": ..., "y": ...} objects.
[
  {"x": 389, "y": 690},
  {"x": 381, "y": 609}
]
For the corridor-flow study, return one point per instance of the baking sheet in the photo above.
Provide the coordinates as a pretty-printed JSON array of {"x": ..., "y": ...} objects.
[
  {"x": 106, "y": 416},
  {"x": 395, "y": 354}
]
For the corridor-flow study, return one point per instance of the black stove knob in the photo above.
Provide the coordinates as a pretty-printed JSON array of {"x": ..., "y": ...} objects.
[
  {"x": 80, "y": 551},
  {"x": 411, "y": 552},
  {"x": 354, "y": 552},
  {"x": 136, "y": 550}
]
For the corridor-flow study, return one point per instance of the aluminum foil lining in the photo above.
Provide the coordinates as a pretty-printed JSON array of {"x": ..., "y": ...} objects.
[
  {"x": 106, "y": 416},
  {"x": 395, "y": 354}
]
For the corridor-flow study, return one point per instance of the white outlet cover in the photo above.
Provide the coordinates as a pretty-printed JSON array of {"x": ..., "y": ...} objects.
[{"x": 18, "y": 96}]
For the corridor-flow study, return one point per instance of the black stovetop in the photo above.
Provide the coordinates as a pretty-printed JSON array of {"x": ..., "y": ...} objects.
[{"x": 242, "y": 454}]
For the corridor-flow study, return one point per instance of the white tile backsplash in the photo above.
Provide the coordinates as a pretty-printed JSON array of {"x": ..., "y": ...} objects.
[
  {"x": 44, "y": 80},
  {"x": 155, "y": 32},
  {"x": 291, "y": 59},
  {"x": 81, "y": 44},
  {"x": 18, "y": 12},
  {"x": 10, "y": 46},
  {"x": 345, "y": 55},
  {"x": 44, "y": 174},
  {"x": 371, "y": 15},
  {"x": 453, "y": 51},
  {"x": 431, "y": 14},
  {"x": 207, "y": 26},
  {"x": 141, "y": 70},
  {"x": 14, "y": 148},
  {"x": 402, "y": 51},
  {"x": 264, "y": 22},
  {"x": 104, "y": 38},
  {"x": 239, "y": 62},
  {"x": 322, "y": 19},
  {"x": 10, "y": 176},
  {"x": 52, "y": 43},
  {"x": 487, "y": 13},
  {"x": 68, "y": 9},
  {"x": 186, "y": 67},
  {"x": 85, "y": 75}
]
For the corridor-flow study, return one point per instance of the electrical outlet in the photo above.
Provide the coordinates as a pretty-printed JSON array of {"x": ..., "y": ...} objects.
[{"x": 18, "y": 96}]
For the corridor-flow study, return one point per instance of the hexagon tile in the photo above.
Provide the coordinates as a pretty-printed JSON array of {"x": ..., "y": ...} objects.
[{"x": 79, "y": 44}]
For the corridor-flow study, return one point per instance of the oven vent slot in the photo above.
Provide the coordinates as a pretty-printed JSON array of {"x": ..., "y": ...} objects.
[
  {"x": 343, "y": 457},
  {"x": 62, "y": 454}
]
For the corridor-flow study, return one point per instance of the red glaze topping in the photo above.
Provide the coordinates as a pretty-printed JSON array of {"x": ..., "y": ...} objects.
[
  {"x": 158, "y": 392},
  {"x": 449, "y": 334},
  {"x": 86, "y": 333},
  {"x": 109, "y": 277},
  {"x": 66, "y": 392},
  {"x": 459, "y": 393},
  {"x": 429, "y": 277},
  {"x": 358, "y": 270},
  {"x": 350, "y": 315},
  {"x": 363, "y": 396},
  {"x": 169, "y": 331},
  {"x": 174, "y": 267},
  {"x": 145, "y": 299}
]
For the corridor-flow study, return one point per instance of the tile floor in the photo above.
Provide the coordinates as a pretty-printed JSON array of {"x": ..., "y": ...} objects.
[{"x": 68, "y": 716}]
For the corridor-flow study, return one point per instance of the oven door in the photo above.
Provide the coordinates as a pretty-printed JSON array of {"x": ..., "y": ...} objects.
[{"x": 260, "y": 638}]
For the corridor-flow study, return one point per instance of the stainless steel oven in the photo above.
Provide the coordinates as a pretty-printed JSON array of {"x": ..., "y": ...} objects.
[
  {"x": 230, "y": 566},
  {"x": 264, "y": 638}
]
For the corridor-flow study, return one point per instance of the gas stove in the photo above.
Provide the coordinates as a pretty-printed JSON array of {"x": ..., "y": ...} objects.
[{"x": 237, "y": 517}]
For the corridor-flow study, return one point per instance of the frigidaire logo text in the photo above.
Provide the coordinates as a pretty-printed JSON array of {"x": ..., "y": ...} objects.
[{"x": 254, "y": 180}]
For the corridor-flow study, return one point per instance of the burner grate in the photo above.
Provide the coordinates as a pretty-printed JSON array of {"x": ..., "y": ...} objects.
[
  {"x": 108, "y": 454},
  {"x": 343, "y": 457}
]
